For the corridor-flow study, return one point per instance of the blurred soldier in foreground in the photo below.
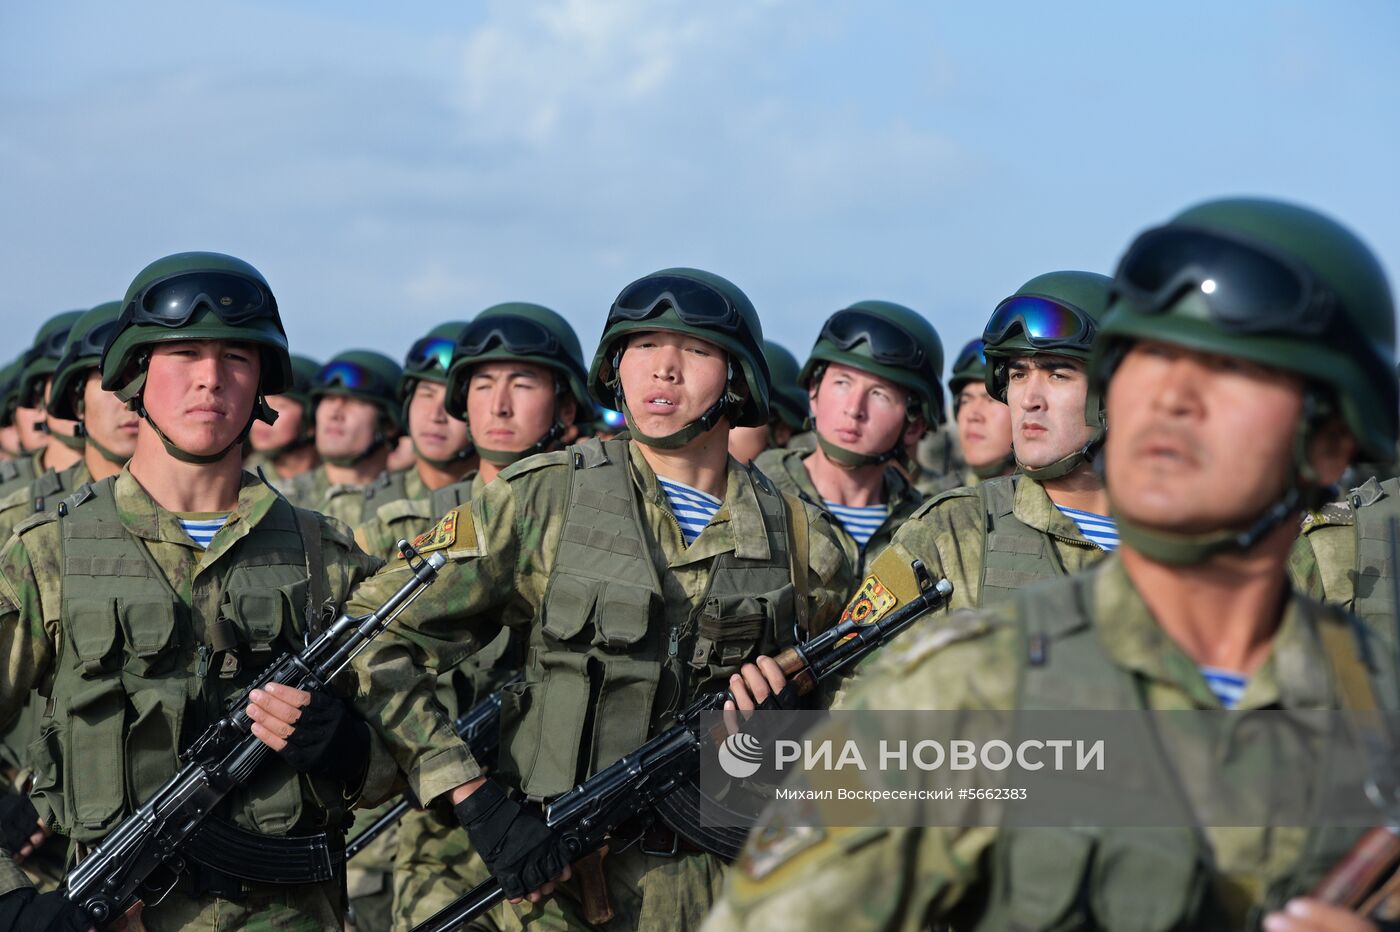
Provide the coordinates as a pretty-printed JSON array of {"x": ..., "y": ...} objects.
[{"x": 1246, "y": 360}]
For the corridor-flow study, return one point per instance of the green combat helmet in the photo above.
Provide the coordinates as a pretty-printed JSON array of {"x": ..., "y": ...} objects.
[
  {"x": 786, "y": 397},
  {"x": 39, "y": 363},
  {"x": 1279, "y": 285},
  {"x": 81, "y": 355},
  {"x": 304, "y": 371},
  {"x": 707, "y": 307},
  {"x": 428, "y": 360},
  {"x": 196, "y": 296},
  {"x": 368, "y": 376},
  {"x": 1057, "y": 314},
  {"x": 891, "y": 341},
  {"x": 971, "y": 366},
  {"x": 527, "y": 333}
]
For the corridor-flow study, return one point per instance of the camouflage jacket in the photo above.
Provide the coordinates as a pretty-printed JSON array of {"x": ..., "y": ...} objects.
[
  {"x": 40, "y": 495},
  {"x": 33, "y": 629},
  {"x": 314, "y": 490},
  {"x": 948, "y": 534},
  {"x": 789, "y": 473},
  {"x": 502, "y": 551},
  {"x": 798, "y": 874},
  {"x": 403, "y": 519}
]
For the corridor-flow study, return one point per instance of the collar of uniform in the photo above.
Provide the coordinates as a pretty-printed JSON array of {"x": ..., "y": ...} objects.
[
  {"x": 144, "y": 518},
  {"x": 898, "y": 489},
  {"x": 1033, "y": 507},
  {"x": 1291, "y": 676},
  {"x": 413, "y": 486},
  {"x": 76, "y": 475},
  {"x": 738, "y": 515}
]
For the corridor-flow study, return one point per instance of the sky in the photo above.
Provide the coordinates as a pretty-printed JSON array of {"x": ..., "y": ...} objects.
[{"x": 392, "y": 167}]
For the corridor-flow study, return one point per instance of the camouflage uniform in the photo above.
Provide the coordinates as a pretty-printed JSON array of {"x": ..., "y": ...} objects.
[
  {"x": 1010, "y": 517},
  {"x": 35, "y": 635},
  {"x": 1343, "y": 556},
  {"x": 502, "y": 552},
  {"x": 789, "y": 474},
  {"x": 1103, "y": 640},
  {"x": 343, "y": 501}
]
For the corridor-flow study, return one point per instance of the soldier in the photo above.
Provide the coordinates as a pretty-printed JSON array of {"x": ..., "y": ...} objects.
[
  {"x": 9, "y": 434},
  {"x": 518, "y": 377},
  {"x": 358, "y": 413},
  {"x": 283, "y": 450},
  {"x": 984, "y": 423},
  {"x": 788, "y": 401},
  {"x": 640, "y": 572},
  {"x": 1006, "y": 533},
  {"x": 148, "y": 599},
  {"x": 46, "y": 443},
  {"x": 874, "y": 383},
  {"x": 1238, "y": 319}
]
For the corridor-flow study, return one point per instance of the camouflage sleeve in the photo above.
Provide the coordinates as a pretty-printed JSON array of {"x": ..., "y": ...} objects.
[
  {"x": 831, "y": 572},
  {"x": 374, "y": 537},
  {"x": 26, "y": 639},
  {"x": 450, "y": 620},
  {"x": 946, "y": 536},
  {"x": 799, "y": 874}
]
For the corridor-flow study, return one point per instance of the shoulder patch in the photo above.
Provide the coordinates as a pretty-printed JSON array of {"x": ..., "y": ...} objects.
[
  {"x": 439, "y": 536},
  {"x": 1330, "y": 515},
  {"x": 871, "y": 602},
  {"x": 533, "y": 463}
]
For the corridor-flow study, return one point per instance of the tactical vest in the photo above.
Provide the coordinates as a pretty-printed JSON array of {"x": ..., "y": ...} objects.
[
  {"x": 1014, "y": 554},
  {"x": 1374, "y": 505},
  {"x": 1113, "y": 878},
  {"x": 605, "y": 662},
  {"x": 140, "y": 671}
]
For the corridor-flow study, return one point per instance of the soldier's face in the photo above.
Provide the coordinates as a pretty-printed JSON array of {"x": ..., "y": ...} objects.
[
  {"x": 9, "y": 440},
  {"x": 671, "y": 379},
  {"x": 107, "y": 419},
  {"x": 984, "y": 425},
  {"x": 437, "y": 435},
  {"x": 1045, "y": 396},
  {"x": 28, "y": 424},
  {"x": 201, "y": 392},
  {"x": 266, "y": 436},
  {"x": 862, "y": 412},
  {"x": 57, "y": 425},
  {"x": 745, "y": 443},
  {"x": 1199, "y": 442},
  {"x": 345, "y": 426}
]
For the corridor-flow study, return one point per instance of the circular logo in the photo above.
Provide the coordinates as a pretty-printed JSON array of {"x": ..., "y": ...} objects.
[{"x": 740, "y": 755}]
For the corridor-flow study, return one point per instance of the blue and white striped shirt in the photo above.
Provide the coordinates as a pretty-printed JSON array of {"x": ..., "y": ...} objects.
[
  {"x": 1098, "y": 528},
  {"x": 693, "y": 509},
  {"x": 202, "y": 530},
  {"x": 860, "y": 521},
  {"x": 1227, "y": 685}
]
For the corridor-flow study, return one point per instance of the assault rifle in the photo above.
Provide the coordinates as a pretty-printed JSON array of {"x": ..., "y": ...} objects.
[
  {"x": 623, "y": 798},
  {"x": 143, "y": 857},
  {"x": 480, "y": 728}
]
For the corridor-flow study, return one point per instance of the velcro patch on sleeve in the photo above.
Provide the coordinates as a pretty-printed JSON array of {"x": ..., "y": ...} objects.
[
  {"x": 871, "y": 602},
  {"x": 439, "y": 536}
]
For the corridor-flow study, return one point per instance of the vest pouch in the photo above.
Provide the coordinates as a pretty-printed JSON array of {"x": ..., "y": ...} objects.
[
  {"x": 93, "y": 773},
  {"x": 44, "y": 755},
  {"x": 91, "y": 628},
  {"x": 271, "y": 802},
  {"x": 568, "y": 605},
  {"x": 731, "y": 628},
  {"x": 257, "y": 615},
  {"x": 546, "y": 744},
  {"x": 623, "y": 614},
  {"x": 151, "y": 758},
  {"x": 1159, "y": 867},
  {"x": 1044, "y": 871},
  {"x": 622, "y": 720},
  {"x": 149, "y": 628}
]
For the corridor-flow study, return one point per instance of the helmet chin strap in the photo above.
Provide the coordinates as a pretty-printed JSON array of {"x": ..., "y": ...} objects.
[
  {"x": 74, "y": 441},
  {"x": 506, "y": 457},
  {"x": 1303, "y": 491},
  {"x": 379, "y": 442},
  {"x": 853, "y": 460},
  {"x": 81, "y": 430},
  {"x": 460, "y": 456},
  {"x": 1065, "y": 464},
  {"x": 728, "y": 401}
]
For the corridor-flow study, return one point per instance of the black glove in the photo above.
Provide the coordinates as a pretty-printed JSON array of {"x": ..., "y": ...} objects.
[
  {"x": 27, "y": 911},
  {"x": 329, "y": 739},
  {"x": 784, "y": 700},
  {"x": 18, "y": 821},
  {"x": 523, "y": 853}
]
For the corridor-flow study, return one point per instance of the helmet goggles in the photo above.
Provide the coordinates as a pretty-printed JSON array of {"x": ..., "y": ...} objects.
[
  {"x": 695, "y": 302},
  {"x": 972, "y": 355},
  {"x": 345, "y": 375},
  {"x": 1248, "y": 287},
  {"x": 1045, "y": 323},
  {"x": 430, "y": 353},
  {"x": 889, "y": 343},
  {"x": 171, "y": 302},
  {"x": 512, "y": 333}
]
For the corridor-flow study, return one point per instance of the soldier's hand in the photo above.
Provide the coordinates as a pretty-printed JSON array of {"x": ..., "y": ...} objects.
[
  {"x": 1305, "y": 915},
  {"x": 41, "y": 834},
  {"x": 757, "y": 686},
  {"x": 21, "y": 830},
  {"x": 313, "y": 732},
  {"x": 525, "y": 855},
  {"x": 29, "y": 910}
]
